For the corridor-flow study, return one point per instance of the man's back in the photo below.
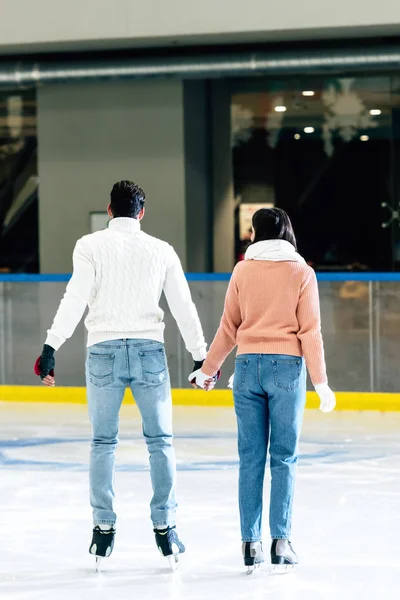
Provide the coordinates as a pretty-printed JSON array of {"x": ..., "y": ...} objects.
[
  {"x": 130, "y": 270},
  {"x": 120, "y": 273}
]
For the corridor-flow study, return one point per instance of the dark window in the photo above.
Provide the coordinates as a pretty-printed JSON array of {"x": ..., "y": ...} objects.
[
  {"x": 326, "y": 151},
  {"x": 18, "y": 182}
]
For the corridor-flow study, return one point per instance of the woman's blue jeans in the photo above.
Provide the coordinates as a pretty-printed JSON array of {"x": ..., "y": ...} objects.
[{"x": 270, "y": 394}]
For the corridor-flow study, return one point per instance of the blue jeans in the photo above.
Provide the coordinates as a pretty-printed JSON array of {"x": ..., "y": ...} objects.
[
  {"x": 111, "y": 367},
  {"x": 270, "y": 393}
]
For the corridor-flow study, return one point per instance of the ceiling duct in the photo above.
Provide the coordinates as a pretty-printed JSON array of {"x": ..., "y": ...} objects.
[{"x": 29, "y": 74}]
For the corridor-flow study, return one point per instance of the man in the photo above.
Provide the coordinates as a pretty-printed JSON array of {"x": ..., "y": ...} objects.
[{"x": 120, "y": 273}]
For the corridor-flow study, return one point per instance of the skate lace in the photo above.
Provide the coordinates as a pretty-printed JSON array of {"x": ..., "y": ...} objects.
[{"x": 173, "y": 536}]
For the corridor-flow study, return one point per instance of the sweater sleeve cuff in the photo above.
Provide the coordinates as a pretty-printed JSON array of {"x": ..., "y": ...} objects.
[
  {"x": 54, "y": 340},
  {"x": 199, "y": 354}
]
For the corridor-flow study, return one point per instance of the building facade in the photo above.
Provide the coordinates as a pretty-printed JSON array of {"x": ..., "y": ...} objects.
[{"x": 215, "y": 110}]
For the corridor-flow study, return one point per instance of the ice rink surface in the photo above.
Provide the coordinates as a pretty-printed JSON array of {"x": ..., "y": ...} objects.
[{"x": 346, "y": 518}]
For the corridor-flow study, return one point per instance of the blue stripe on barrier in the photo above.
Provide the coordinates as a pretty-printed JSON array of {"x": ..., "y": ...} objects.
[
  {"x": 208, "y": 276},
  {"x": 28, "y": 278},
  {"x": 342, "y": 276},
  {"x": 349, "y": 276},
  {"x": 326, "y": 276}
]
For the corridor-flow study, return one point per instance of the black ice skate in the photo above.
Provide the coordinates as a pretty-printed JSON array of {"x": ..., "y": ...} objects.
[
  {"x": 252, "y": 555},
  {"x": 102, "y": 543},
  {"x": 283, "y": 557},
  {"x": 169, "y": 545}
]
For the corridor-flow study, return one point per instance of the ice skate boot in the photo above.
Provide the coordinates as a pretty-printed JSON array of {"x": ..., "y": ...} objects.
[
  {"x": 169, "y": 545},
  {"x": 102, "y": 543},
  {"x": 283, "y": 557},
  {"x": 252, "y": 555}
]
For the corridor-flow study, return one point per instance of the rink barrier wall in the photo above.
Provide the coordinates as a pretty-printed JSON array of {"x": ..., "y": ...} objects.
[
  {"x": 345, "y": 400},
  {"x": 185, "y": 397}
]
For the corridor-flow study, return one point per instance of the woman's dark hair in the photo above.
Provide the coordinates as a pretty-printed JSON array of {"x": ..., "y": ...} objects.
[
  {"x": 127, "y": 199},
  {"x": 273, "y": 224}
]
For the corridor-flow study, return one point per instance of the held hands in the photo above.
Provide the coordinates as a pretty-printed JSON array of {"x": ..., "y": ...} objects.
[
  {"x": 198, "y": 379},
  {"x": 44, "y": 366},
  {"x": 326, "y": 396}
]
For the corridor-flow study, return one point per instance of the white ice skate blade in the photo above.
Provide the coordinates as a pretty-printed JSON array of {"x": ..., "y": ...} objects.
[
  {"x": 98, "y": 564},
  {"x": 173, "y": 561},
  {"x": 281, "y": 569},
  {"x": 252, "y": 568}
]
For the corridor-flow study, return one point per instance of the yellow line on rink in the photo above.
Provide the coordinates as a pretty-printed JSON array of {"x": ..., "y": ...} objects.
[
  {"x": 39, "y": 393},
  {"x": 187, "y": 397}
]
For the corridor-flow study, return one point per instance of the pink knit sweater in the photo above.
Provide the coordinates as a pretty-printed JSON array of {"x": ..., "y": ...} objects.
[{"x": 271, "y": 308}]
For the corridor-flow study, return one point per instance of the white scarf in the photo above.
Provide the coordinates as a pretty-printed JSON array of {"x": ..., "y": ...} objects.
[{"x": 275, "y": 250}]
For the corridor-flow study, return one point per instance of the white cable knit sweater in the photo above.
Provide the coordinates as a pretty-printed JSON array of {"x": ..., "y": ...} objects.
[{"x": 120, "y": 273}]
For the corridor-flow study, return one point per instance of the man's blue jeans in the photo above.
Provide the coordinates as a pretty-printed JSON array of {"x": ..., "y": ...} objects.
[
  {"x": 111, "y": 367},
  {"x": 270, "y": 393}
]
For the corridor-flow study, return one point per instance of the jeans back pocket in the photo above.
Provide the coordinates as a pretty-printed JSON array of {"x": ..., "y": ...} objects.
[
  {"x": 287, "y": 373},
  {"x": 240, "y": 373},
  {"x": 101, "y": 369},
  {"x": 154, "y": 366}
]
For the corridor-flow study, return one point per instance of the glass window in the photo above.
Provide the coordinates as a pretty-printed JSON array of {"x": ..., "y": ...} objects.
[
  {"x": 325, "y": 150},
  {"x": 18, "y": 182}
]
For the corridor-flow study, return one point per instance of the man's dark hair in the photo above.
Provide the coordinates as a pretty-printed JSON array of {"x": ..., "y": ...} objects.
[
  {"x": 127, "y": 199},
  {"x": 273, "y": 224}
]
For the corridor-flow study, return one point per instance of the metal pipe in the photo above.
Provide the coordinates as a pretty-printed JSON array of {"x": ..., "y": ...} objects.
[{"x": 25, "y": 74}]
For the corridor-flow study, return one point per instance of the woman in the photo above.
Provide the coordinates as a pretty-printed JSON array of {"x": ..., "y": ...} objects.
[{"x": 272, "y": 314}]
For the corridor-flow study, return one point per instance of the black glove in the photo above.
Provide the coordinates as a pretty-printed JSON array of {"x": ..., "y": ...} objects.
[
  {"x": 197, "y": 365},
  {"x": 45, "y": 364}
]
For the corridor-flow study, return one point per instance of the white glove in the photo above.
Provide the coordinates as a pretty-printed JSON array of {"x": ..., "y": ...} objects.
[
  {"x": 230, "y": 382},
  {"x": 327, "y": 397},
  {"x": 199, "y": 378}
]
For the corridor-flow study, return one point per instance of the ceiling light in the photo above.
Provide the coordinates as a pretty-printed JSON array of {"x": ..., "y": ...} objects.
[
  {"x": 280, "y": 109},
  {"x": 296, "y": 136},
  {"x": 364, "y": 138},
  {"x": 375, "y": 111},
  {"x": 308, "y": 93},
  {"x": 309, "y": 129}
]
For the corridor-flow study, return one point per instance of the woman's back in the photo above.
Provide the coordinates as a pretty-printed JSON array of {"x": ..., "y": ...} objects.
[
  {"x": 271, "y": 307},
  {"x": 268, "y": 296}
]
